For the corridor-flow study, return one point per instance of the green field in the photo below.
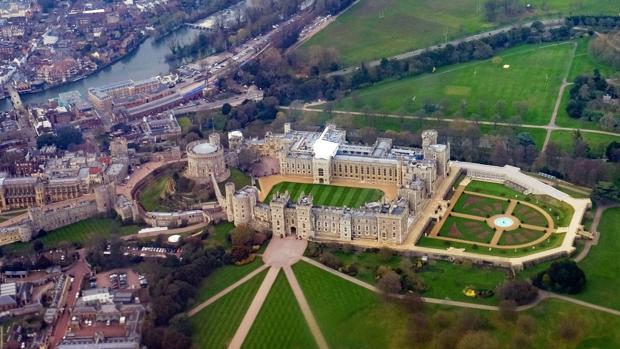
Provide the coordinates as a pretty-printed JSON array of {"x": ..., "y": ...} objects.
[
  {"x": 280, "y": 323},
  {"x": 601, "y": 265},
  {"x": 149, "y": 196},
  {"x": 82, "y": 232},
  {"x": 597, "y": 142},
  {"x": 238, "y": 177},
  {"x": 224, "y": 277},
  {"x": 382, "y": 28},
  {"x": 496, "y": 189},
  {"x": 350, "y": 316},
  {"x": 467, "y": 229},
  {"x": 215, "y": 325},
  {"x": 218, "y": 234},
  {"x": 328, "y": 195},
  {"x": 528, "y": 88}
]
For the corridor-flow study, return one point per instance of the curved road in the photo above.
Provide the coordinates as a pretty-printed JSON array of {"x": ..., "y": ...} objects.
[{"x": 406, "y": 55}]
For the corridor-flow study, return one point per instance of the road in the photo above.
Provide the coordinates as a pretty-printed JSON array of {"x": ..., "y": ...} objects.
[
  {"x": 309, "y": 107},
  {"x": 252, "y": 94},
  {"x": 410, "y": 54},
  {"x": 80, "y": 269}
]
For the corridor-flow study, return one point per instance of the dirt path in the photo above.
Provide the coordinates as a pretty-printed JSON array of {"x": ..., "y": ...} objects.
[
  {"x": 254, "y": 309},
  {"x": 305, "y": 308}
]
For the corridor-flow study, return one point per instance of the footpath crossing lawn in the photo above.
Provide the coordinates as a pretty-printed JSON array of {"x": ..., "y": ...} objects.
[
  {"x": 280, "y": 323},
  {"x": 224, "y": 277},
  {"x": 601, "y": 265},
  {"x": 351, "y": 316},
  {"x": 328, "y": 195},
  {"x": 478, "y": 90},
  {"x": 81, "y": 232},
  {"x": 597, "y": 142},
  {"x": 215, "y": 325}
]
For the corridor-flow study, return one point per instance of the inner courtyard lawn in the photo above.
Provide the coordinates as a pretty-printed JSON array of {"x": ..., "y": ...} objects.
[
  {"x": 215, "y": 325},
  {"x": 328, "y": 195},
  {"x": 280, "y": 322},
  {"x": 224, "y": 277},
  {"x": 350, "y": 316},
  {"x": 82, "y": 232},
  {"x": 481, "y": 90},
  {"x": 601, "y": 265},
  {"x": 150, "y": 195}
]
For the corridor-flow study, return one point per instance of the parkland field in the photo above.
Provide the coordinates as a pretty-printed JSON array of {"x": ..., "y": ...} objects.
[
  {"x": 521, "y": 85},
  {"x": 373, "y": 29},
  {"x": 327, "y": 195}
]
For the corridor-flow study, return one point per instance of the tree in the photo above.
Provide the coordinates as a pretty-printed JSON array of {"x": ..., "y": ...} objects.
[
  {"x": 390, "y": 282},
  {"x": 613, "y": 152},
  {"x": 38, "y": 246},
  {"x": 478, "y": 340},
  {"x": 242, "y": 235},
  {"x": 508, "y": 310},
  {"x": 330, "y": 260},
  {"x": 520, "y": 291},
  {"x": 526, "y": 324},
  {"x": 420, "y": 329},
  {"x": 562, "y": 276}
]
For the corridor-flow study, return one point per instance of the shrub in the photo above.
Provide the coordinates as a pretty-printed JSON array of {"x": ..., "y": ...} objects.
[
  {"x": 519, "y": 291},
  {"x": 330, "y": 260},
  {"x": 562, "y": 276}
]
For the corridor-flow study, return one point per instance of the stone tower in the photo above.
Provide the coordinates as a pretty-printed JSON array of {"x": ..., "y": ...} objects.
[
  {"x": 214, "y": 139},
  {"x": 303, "y": 209},
  {"x": 230, "y": 192},
  {"x": 429, "y": 137},
  {"x": 104, "y": 197},
  {"x": 278, "y": 221}
]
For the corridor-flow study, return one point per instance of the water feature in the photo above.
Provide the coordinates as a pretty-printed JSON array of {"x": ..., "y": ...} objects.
[
  {"x": 148, "y": 60},
  {"x": 503, "y": 222}
]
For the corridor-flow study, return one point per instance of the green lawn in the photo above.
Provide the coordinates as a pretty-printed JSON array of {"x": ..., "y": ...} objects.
[
  {"x": 238, "y": 177},
  {"x": 150, "y": 195},
  {"x": 218, "y": 234},
  {"x": 350, "y": 316},
  {"x": 480, "y": 90},
  {"x": 496, "y": 189},
  {"x": 328, "y": 195},
  {"x": 215, "y": 325},
  {"x": 185, "y": 123},
  {"x": 280, "y": 323},
  {"x": 381, "y": 28},
  {"x": 601, "y": 265},
  {"x": 82, "y": 232},
  {"x": 598, "y": 142},
  {"x": 552, "y": 242},
  {"x": 224, "y": 277}
]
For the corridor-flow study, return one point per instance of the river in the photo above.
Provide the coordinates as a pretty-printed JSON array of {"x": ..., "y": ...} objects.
[{"x": 148, "y": 60}]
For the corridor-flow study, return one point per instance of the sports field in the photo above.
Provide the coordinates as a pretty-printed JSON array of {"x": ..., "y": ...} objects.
[
  {"x": 328, "y": 195},
  {"x": 373, "y": 29},
  {"x": 483, "y": 90}
]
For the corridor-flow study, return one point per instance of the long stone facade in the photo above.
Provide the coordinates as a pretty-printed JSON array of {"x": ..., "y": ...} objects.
[
  {"x": 21, "y": 192},
  {"x": 326, "y": 157}
]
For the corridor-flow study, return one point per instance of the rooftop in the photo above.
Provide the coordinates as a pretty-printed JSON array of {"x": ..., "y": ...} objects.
[{"x": 204, "y": 148}]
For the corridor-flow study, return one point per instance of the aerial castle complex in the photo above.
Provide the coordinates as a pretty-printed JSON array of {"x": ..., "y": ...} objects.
[{"x": 326, "y": 157}]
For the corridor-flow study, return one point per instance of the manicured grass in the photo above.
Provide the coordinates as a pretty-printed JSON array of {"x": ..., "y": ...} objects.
[
  {"x": 215, "y": 325},
  {"x": 328, "y": 195},
  {"x": 496, "y": 189},
  {"x": 485, "y": 88},
  {"x": 367, "y": 263},
  {"x": 466, "y": 229},
  {"x": 82, "y": 232},
  {"x": 185, "y": 123},
  {"x": 480, "y": 206},
  {"x": 528, "y": 215},
  {"x": 554, "y": 241},
  {"x": 350, "y": 316},
  {"x": 597, "y": 142},
  {"x": 238, "y": 177},
  {"x": 601, "y": 265},
  {"x": 381, "y": 28},
  {"x": 150, "y": 195},
  {"x": 224, "y": 277},
  {"x": 280, "y": 323}
]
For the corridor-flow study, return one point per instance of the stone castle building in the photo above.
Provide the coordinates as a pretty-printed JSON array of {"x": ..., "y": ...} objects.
[
  {"x": 326, "y": 156},
  {"x": 21, "y": 192},
  {"x": 205, "y": 158}
]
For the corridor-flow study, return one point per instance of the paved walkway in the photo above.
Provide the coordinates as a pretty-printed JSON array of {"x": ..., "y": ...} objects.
[
  {"x": 254, "y": 309},
  {"x": 305, "y": 308},
  {"x": 594, "y": 230},
  {"x": 225, "y": 291}
]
